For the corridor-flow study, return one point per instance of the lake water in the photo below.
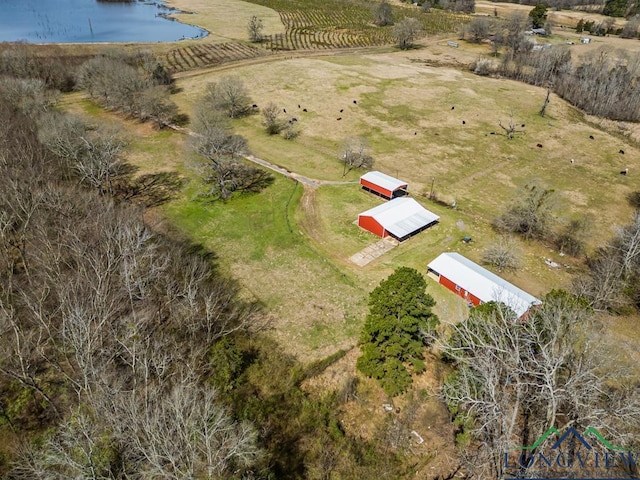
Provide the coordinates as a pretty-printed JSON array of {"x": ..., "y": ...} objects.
[{"x": 90, "y": 21}]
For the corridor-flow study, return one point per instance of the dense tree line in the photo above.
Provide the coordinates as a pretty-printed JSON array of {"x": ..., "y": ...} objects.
[
  {"x": 55, "y": 69},
  {"x": 104, "y": 327},
  {"x": 614, "y": 8},
  {"x": 605, "y": 84}
]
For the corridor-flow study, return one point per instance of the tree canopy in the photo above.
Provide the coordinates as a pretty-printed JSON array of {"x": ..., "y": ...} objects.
[
  {"x": 538, "y": 15},
  {"x": 514, "y": 380},
  {"x": 399, "y": 319}
]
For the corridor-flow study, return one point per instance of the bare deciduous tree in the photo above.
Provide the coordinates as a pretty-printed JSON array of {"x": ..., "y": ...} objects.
[
  {"x": 512, "y": 128},
  {"x": 406, "y": 31},
  {"x": 571, "y": 238},
  {"x": 530, "y": 214},
  {"x": 229, "y": 95},
  {"x": 272, "y": 119},
  {"x": 224, "y": 171},
  {"x": 478, "y": 29},
  {"x": 355, "y": 154},
  {"x": 630, "y": 29},
  {"x": 255, "y": 27},
  {"x": 504, "y": 254},
  {"x": 382, "y": 14}
]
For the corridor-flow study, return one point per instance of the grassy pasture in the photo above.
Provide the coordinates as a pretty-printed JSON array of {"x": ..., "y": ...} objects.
[
  {"x": 313, "y": 307},
  {"x": 291, "y": 248},
  {"x": 404, "y": 109},
  {"x": 226, "y": 19}
]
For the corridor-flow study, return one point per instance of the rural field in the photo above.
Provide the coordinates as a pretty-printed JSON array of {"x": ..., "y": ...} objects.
[
  {"x": 425, "y": 121},
  {"x": 166, "y": 305}
]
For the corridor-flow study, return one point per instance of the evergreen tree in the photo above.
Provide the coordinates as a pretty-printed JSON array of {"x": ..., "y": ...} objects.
[
  {"x": 539, "y": 15},
  {"x": 393, "y": 335}
]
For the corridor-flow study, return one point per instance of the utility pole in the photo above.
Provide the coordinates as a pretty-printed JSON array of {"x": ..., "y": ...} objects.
[{"x": 433, "y": 179}]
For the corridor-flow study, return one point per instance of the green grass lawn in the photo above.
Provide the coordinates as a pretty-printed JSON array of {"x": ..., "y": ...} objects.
[{"x": 314, "y": 307}]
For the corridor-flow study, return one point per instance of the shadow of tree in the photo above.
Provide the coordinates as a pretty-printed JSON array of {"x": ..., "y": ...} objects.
[{"x": 149, "y": 190}]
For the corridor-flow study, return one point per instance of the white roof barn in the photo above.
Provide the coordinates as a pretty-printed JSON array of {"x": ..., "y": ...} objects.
[
  {"x": 383, "y": 184},
  {"x": 400, "y": 218},
  {"x": 479, "y": 285}
]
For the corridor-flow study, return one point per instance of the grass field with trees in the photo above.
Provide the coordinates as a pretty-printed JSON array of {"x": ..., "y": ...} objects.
[{"x": 163, "y": 318}]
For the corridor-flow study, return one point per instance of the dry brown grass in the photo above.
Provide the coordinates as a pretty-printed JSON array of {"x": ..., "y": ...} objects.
[
  {"x": 227, "y": 19},
  {"x": 566, "y": 18}
]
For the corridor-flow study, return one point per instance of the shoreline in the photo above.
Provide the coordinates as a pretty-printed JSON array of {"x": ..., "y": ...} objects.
[{"x": 165, "y": 9}]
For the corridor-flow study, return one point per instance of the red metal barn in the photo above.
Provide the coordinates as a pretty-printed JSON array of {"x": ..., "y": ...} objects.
[
  {"x": 477, "y": 284},
  {"x": 383, "y": 185},
  {"x": 399, "y": 218}
]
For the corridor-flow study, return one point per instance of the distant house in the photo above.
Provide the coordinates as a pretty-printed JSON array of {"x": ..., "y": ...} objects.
[
  {"x": 585, "y": 40},
  {"x": 383, "y": 185},
  {"x": 399, "y": 218},
  {"x": 478, "y": 285}
]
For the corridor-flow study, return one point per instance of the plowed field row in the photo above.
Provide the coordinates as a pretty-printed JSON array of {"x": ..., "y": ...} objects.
[
  {"x": 204, "y": 55},
  {"x": 349, "y": 27}
]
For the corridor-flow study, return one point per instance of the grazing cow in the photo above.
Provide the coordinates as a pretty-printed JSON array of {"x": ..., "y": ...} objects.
[
  {"x": 539, "y": 145},
  {"x": 624, "y": 172},
  {"x": 284, "y": 110},
  {"x": 304, "y": 109},
  {"x": 341, "y": 110},
  {"x": 298, "y": 105},
  {"x": 523, "y": 125},
  {"x": 572, "y": 161},
  {"x": 339, "y": 118},
  {"x": 415, "y": 133},
  {"x": 621, "y": 151},
  {"x": 591, "y": 137},
  {"x": 355, "y": 102},
  {"x": 493, "y": 133},
  {"x": 463, "y": 122},
  {"x": 452, "y": 108}
]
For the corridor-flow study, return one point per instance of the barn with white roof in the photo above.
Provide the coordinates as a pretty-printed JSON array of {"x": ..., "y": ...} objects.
[
  {"x": 477, "y": 284},
  {"x": 383, "y": 185},
  {"x": 399, "y": 218}
]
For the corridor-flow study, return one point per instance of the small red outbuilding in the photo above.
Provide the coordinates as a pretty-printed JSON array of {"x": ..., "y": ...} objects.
[
  {"x": 383, "y": 185},
  {"x": 399, "y": 218}
]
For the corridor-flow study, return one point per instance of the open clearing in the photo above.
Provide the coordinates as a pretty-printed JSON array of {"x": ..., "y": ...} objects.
[
  {"x": 404, "y": 108},
  {"x": 412, "y": 115},
  {"x": 290, "y": 247},
  {"x": 226, "y": 19}
]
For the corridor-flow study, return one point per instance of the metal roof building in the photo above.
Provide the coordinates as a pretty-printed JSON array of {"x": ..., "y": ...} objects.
[
  {"x": 399, "y": 218},
  {"x": 383, "y": 185},
  {"x": 477, "y": 284}
]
